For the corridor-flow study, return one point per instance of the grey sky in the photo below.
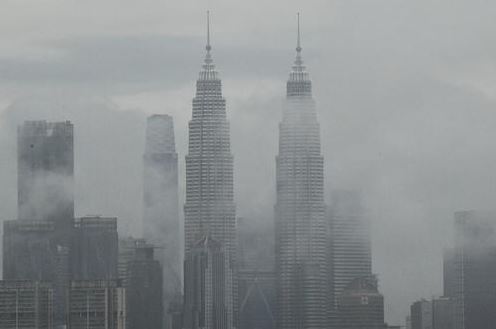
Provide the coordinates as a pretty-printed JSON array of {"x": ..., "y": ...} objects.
[{"x": 406, "y": 94}]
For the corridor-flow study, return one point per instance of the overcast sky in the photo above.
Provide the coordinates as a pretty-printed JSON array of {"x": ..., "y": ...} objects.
[{"x": 406, "y": 94}]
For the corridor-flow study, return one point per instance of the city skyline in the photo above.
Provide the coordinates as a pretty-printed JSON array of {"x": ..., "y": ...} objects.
[{"x": 418, "y": 207}]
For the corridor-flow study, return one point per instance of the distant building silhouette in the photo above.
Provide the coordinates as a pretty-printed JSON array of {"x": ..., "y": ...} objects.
[
  {"x": 160, "y": 202},
  {"x": 95, "y": 249},
  {"x": 473, "y": 264},
  {"x": 361, "y": 306},
  {"x": 144, "y": 289},
  {"x": 349, "y": 243},
  {"x": 45, "y": 168},
  {"x": 302, "y": 268},
  {"x": 421, "y": 314},
  {"x": 26, "y": 304},
  {"x": 209, "y": 208}
]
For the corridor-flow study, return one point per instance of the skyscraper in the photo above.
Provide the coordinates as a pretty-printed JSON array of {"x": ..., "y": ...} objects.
[
  {"x": 349, "y": 243},
  {"x": 473, "y": 262},
  {"x": 94, "y": 253},
  {"x": 45, "y": 169},
  {"x": 301, "y": 228},
  {"x": 361, "y": 305},
  {"x": 209, "y": 208},
  {"x": 160, "y": 199}
]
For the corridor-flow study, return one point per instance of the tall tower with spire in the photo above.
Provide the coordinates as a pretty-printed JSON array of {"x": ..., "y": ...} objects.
[
  {"x": 302, "y": 266},
  {"x": 210, "y": 295}
]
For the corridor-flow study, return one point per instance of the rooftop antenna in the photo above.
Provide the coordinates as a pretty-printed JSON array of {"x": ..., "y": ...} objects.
[
  {"x": 298, "y": 43},
  {"x": 208, "y": 47}
]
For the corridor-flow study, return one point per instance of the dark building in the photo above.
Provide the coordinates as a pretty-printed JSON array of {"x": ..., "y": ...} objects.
[
  {"x": 95, "y": 249},
  {"x": 29, "y": 250},
  {"x": 143, "y": 285},
  {"x": 96, "y": 305},
  {"x": 421, "y": 314},
  {"x": 209, "y": 208},
  {"x": 301, "y": 240},
  {"x": 26, "y": 304},
  {"x": 207, "y": 301},
  {"x": 161, "y": 203},
  {"x": 45, "y": 168},
  {"x": 472, "y": 262},
  {"x": 361, "y": 306},
  {"x": 442, "y": 313}
]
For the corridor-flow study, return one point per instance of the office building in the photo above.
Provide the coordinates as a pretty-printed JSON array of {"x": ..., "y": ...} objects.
[
  {"x": 96, "y": 305},
  {"x": 45, "y": 168},
  {"x": 209, "y": 208},
  {"x": 26, "y": 304},
  {"x": 361, "y": 306},
  {"x": 302, "y": 268}
]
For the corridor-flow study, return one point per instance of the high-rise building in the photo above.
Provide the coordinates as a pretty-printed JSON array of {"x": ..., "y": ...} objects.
[
  {"x": 29, "y": 250},
  {"x": 442, "y": 313},
  {"x": 208, "y": 303},
  {"x": 209, "y": 208},
  {"x": 26, "y": 304},
  {"x": 144, "y": 289},
  {"x": 45, "y": 169},
  {"x": 160, "y": 203},
  {"x": 349, "y": 243},
  {"x": 421, "y": 314},
  {"x": 473, "y": 266},
  {"x": 96, "y": 305},
  {"x": 301, "y": 228},
  {"x": 361, "y": 306},
  {"x": 95, "y": 249}
]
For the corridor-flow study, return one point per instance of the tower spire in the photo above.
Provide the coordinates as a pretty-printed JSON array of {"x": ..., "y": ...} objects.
[
  {"x": 208, "y": 47},
  {"x": 298, "y": 42}
]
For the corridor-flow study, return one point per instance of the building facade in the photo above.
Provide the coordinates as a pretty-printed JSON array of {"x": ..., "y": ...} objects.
[
  {"x": 26, "y": 304},
  {"x": 96, "y": 305},
  {"x": 94, "y": 253},
  {"x": 45, "y": 168},
  {"x": 349, "y": 243},
  {"x": 473, "y": 262},
  {"x": 160, "y": 202},
  {"x": 209, "y": 208},
  {"x": 302, "y": 268},
  {"x": 421, "y": 314},
  {"x": 144, "y": 290},
  {"x": 361, "y": 306}
]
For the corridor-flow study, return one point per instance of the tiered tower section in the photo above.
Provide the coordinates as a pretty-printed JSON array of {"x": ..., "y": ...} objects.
[{"x": 301, "y": 231}]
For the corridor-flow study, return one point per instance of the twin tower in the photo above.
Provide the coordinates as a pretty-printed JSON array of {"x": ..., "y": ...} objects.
[{"x": 302, "y": 266}]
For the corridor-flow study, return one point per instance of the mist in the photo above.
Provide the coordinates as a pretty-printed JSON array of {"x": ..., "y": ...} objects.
[{"x": 405, "y": 95}]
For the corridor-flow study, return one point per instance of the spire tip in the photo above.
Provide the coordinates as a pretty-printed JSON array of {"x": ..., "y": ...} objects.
[
  {"x": 298, "y": 42},
  {"x": 208, "y": 47}
]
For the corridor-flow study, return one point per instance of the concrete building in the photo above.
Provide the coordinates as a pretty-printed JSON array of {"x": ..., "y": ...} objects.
[
  {"x": 209, "y": 208},
  {"x": 471, "y": 270},
  {"x": 421, "y": 314},
  {"x": 95, "y": 249},
  {"x": 161, "y": 225},
  {"x": 302, "y": 268},
  {"x": 143, "y": 285},
  {"x": 26, "y": 304},
  {"x": 96, "y": 305},
  {"x": 361, "y": 306},
  {"x": 45, "y": 168}
]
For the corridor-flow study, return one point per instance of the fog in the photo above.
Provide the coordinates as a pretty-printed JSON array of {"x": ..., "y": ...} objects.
[{"x": 405, "y": 93}]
